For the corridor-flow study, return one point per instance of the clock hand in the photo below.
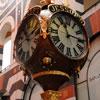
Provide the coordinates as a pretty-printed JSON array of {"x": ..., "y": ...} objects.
[
  {"x": 80, "y": 40},
  {"x": 66, "y": 36},
  {"x": 64, "y": 24},
  {"x": 31, "y": 33}
]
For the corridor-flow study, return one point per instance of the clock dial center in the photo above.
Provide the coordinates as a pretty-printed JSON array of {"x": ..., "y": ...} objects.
[{"x": 25, "y": 46}]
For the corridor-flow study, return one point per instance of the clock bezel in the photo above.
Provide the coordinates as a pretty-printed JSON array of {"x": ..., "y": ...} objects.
[
  {"x": 80, "y": 25},
  {"x": 21, "y": 27}
]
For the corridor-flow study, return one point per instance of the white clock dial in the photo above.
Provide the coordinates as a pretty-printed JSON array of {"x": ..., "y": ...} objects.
[
  {"x": 28, "y": 37},
  {"x": 67, "y": 35}
]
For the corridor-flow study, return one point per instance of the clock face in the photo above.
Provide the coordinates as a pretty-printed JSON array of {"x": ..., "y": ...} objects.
[
  {"x": 68, "y": 36},
  {"x": 27, "y": 39}
]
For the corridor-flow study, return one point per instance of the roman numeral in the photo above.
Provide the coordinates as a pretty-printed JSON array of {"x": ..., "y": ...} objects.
[
  {"x": 81, "y": 40},
  {"x": 68, "y": 51},
  {"x": 37, "y": 30},
  {"x": 56, "y": 24},
  {"x": 23, "y": 55},
  {"x": 79, "y": 32},
  {"x": 55, "y": 39},
  {"x": 68, "y": 20},
  {"x": 75, "y": 52},
  {"x": 20, "y": 38},
  {"x": 54, "y": 31},
  {"x": 32, "y": 49},
  {"x": 20, "y": 51},
  {"x": 27, "y": 55},
  {"x": 19, "y": 47},
  {"x": 33, "y": 23},
  {"x": 60, "y": 19},
  {"x": 61, "y": 47},
  {"x": 35, "y": 40},
  {"x": 28, "y": 26},
  {"x": 80, "y": 47},
  {"x": 74, "y": 25}
]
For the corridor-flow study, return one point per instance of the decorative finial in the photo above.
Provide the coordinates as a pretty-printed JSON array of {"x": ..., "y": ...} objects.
[
  {"x": 51, "y": 95},
  {"x": 65, "y": 3},
  {"x": 46, "y": 2},
  {"x": 53, "y": 1}
]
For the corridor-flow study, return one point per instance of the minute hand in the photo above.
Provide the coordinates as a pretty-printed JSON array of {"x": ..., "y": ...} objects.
[{"x": 80, "y": 40}]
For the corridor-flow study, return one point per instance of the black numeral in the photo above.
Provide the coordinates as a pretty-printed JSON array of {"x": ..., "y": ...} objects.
[
  {"x": 31, "y": 23},
  {"x": 20, "y": 51},
  {"x": 61, "y": 47},
  {"x": 20, "y": 38},
  {"x": 81, "y": 40},
  {"x": 27, "y": 55},
  {"x": 37, "y": 32},
  {"x": 19, "y": 47},
  {"x": 75, "y": 52},
  {"x": 54, "y": 31},
  {"x": 80, "y": 47},
  {"x": 28, "y": 25},
  {"x": 68, "y": 20},
  {"x": 60, "y": 19},
  {"x": 73, "y": 25},
  {"x": 79, "y": 32},
  {"x": 56, "y": 24},
  {"x": 55, "y": 39},
  {"x": 35, "y": 41},
  {"x": 68, "y": 52},
  {"x": 23, "y": 56}
]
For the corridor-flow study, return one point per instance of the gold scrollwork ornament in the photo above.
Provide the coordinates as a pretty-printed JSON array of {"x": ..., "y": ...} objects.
[{"x": 51, "y": 95}]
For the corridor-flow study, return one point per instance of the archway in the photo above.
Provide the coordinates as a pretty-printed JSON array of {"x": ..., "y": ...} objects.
[{"x": 5, "y": 39}]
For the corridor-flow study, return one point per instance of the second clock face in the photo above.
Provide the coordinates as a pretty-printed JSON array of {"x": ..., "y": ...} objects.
[
  {"x": 27, "y": 39},
  {"x": 68, "y": 36}
]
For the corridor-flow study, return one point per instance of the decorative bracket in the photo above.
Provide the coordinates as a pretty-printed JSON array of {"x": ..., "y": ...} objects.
[{"x": 44, "y": 27}]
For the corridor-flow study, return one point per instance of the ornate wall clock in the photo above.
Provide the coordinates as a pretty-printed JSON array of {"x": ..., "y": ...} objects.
[
  {"x": 27, "y": 38},
  {"x": 62, "y": 48}
]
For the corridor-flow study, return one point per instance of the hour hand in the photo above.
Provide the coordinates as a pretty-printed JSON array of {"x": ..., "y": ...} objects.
[
  {"x": 31, "y": 32},
  {"x": 79, "y": 40}
]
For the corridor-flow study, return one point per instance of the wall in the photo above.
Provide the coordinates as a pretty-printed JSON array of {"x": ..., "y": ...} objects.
[
  {"x": 88, "y": 86},
  {"x": 92, "y": 20},
  {"x": 89, "y": 3}
]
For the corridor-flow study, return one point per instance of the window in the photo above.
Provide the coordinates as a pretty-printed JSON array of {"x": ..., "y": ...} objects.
[{"x": 6, "y": 54}]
